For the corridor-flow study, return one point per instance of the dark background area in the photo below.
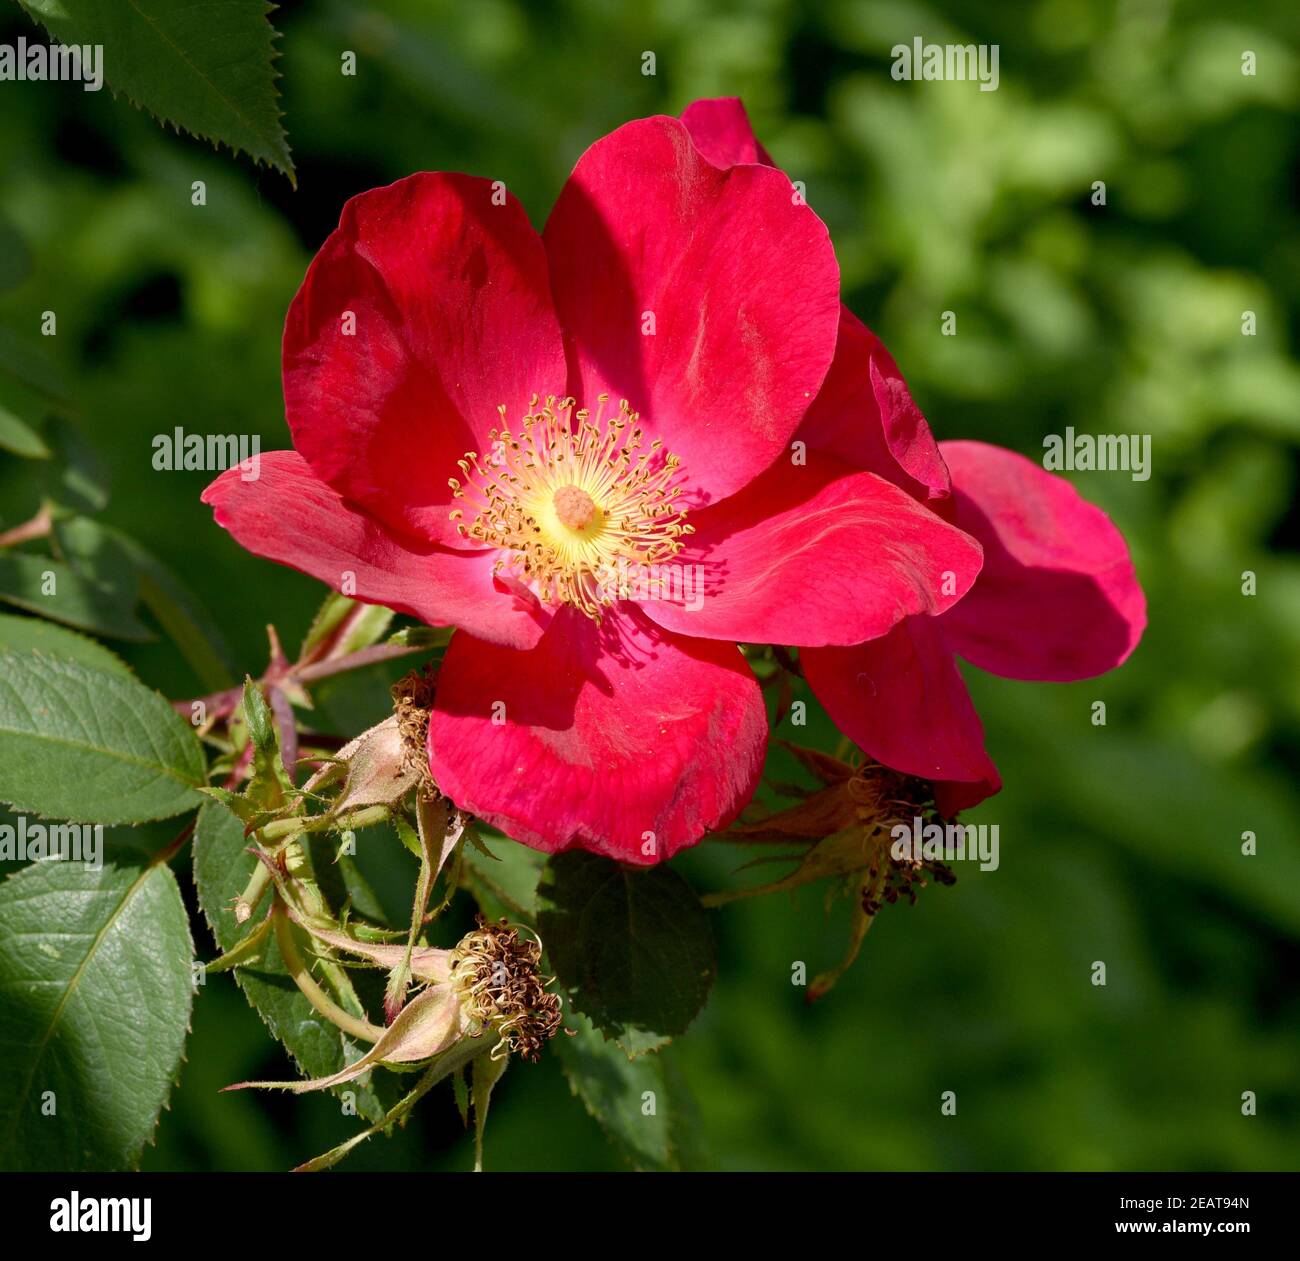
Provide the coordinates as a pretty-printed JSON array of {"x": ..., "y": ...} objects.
[{"x": 1119, "y": 843}]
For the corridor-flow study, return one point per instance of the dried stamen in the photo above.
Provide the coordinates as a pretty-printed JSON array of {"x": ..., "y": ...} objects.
[
  {"x": 885, "y": 799},
  {"x": 412, "y": 701},
  {"x": 495, "y": 974}
]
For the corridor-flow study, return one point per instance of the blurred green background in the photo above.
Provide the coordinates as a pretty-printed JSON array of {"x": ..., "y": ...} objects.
[{"x": 1119, "y": 843}]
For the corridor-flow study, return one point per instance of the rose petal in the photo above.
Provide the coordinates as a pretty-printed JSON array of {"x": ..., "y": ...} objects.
[
  {"x": 740, "y": 281},
  {"x": 901, "y": 699},
  {"x": 621, "y": 739},
  {"x": 290, "y": 516},
  {"x": 865, "y": 416},
  {"x": 813, "y": 554},
  {"x": 864, "y": 413},
  {"x": 447, "y": 284},
  {"x": 721, "y": 130},
  {"x": 1058, "y": 598},
  {"x": 951, "y": 796}
]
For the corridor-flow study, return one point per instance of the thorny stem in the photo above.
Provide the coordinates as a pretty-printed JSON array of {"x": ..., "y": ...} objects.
[
  {"x": 313, "y": 993},
  {"x": 454, "y": 1058},
  {"x": 353, "y": 661},
  {"x": 224, "y": 703},
  {"x": 296, "y": 824},
  {"x": 247, "y": 901}
]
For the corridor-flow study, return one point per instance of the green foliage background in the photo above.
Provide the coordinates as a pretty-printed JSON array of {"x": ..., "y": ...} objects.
[{"x": 1119, "y": 843}]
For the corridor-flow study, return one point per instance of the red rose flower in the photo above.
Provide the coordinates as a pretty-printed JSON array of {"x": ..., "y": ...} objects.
[
  {"x": 454, "y": 383},
  {"x": 1057, "y": 598}
]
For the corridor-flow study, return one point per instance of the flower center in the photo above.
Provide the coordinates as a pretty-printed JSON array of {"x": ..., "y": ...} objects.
[
  {"x": 571, "y": 498},
  {"x": 495, "y": 975},
  {"x": 574, "y": 507}
]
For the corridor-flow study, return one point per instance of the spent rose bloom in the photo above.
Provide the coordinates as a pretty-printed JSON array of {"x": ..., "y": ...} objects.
[
  {"x": 575, "y": 447},
  {"x": 1057, "y": 598}
]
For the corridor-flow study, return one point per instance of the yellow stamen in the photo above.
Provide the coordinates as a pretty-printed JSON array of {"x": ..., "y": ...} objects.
[{"x": 572, "y": 498}]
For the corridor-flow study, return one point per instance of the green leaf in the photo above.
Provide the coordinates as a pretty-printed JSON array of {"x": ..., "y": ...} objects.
[
  {"x": 341, "y": 881},
  {"x": 222, "y": 866},
  {"x": 183, "y": 623},
  {"x": 642, "y": 1104},
  {"x": 485, "y": 1072},
  {"x": 460, "y": 1089},
  {"x": 77, "y": 477},
  {"x": 95, "y": 994},
  {"x": 342, "y": 626},
  {"x": 261, "y": 725},
  {"x": 18, "y": 438},
  {"x": 440, "y": 829},
  {"x": 269, "y": 783},
  {"x": 332, "y": 611},
  {"x": 420, "y": 637},
  {"x": 503, "y": 875},
  {"x": 181, "y": 615},
  {"x": 633, "y": 946},
  {"x": 368, "y": 625},
  {"x": 34, "y": 634},
  {"x": 131, "y": 572},
  {"x": 407, "y": 835},
  {"x": 98, "y": 558},
  {"x": 206, "y": 68},
  {"x": 56, "y": 590},
  {"x": 81, "y": 743},
  {"x": 29, "y": 363},
  {"x": 249, "y": 813}
]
